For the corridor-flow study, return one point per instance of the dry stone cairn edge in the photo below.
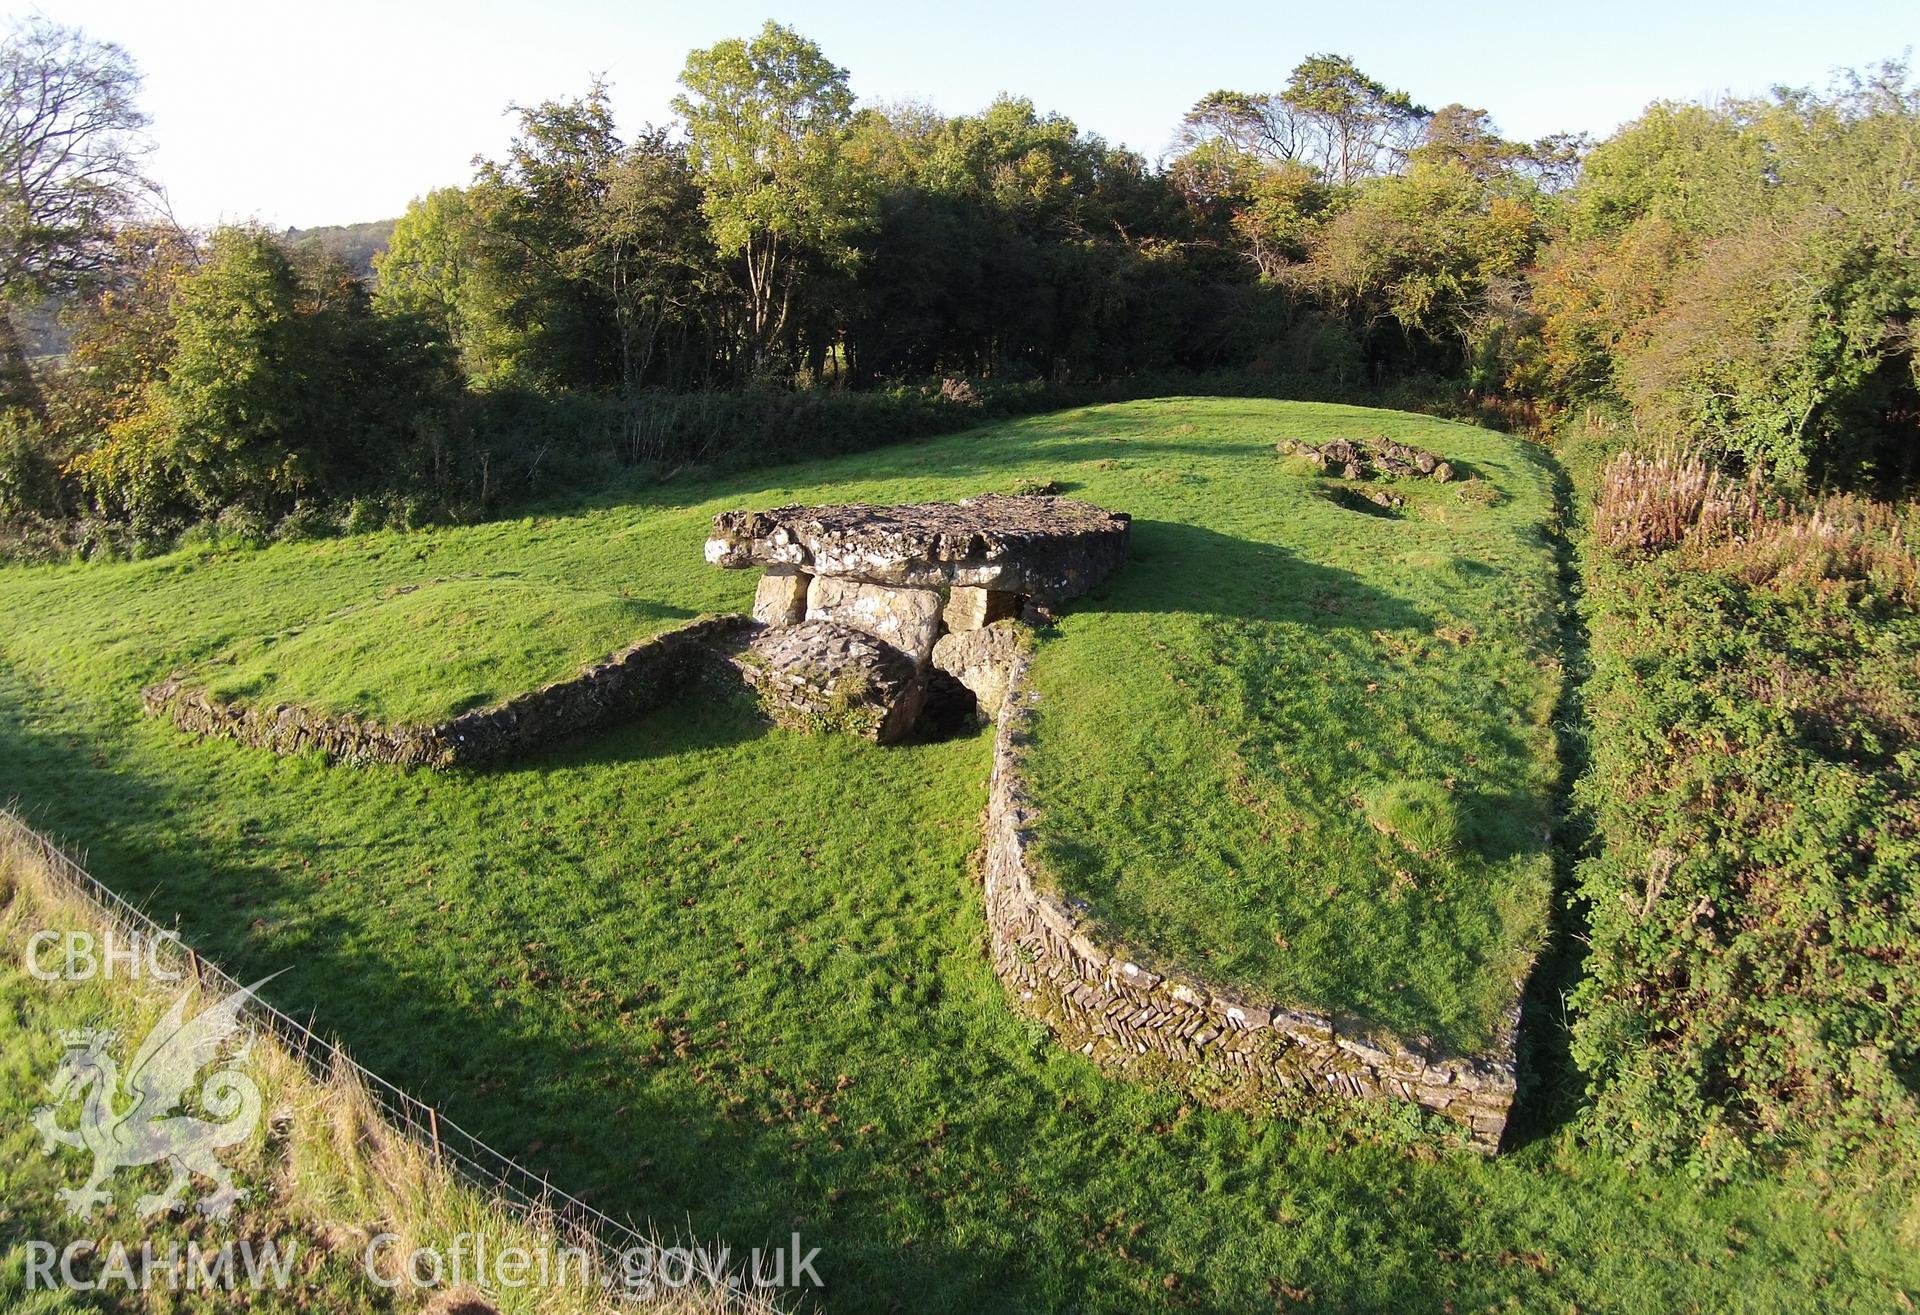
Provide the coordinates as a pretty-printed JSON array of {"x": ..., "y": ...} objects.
[
  {"x": 1107, "y": 1001},
  {"x": 617, "y": 688}
]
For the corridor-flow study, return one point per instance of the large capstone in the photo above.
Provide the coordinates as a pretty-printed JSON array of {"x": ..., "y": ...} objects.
[
  {"x": 819, "y": 675},
  {"x": 909, "y": 619},
  {"x": 1047, "y": 548}
]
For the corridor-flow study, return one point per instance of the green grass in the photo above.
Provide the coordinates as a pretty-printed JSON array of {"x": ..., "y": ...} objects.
[
  {"x": 733, "y": 979},
  {"x": 1215, "y": 718},
  {"x": 33, "y": 1014},
  {"x": 422, "y": 653},
  {"x": 1210, "y": 718}
]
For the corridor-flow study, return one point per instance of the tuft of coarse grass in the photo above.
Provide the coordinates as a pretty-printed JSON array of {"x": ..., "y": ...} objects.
[
  {"x": 1648, "y": 503},
  {"x": 1421, "y": 815}
]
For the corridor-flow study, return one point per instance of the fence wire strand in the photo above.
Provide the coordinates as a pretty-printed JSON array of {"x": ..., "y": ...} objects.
[{"x": 530, "y": 1196}]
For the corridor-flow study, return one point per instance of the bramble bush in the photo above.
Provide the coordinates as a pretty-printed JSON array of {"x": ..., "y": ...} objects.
[{"x": 1752, "y": 990}]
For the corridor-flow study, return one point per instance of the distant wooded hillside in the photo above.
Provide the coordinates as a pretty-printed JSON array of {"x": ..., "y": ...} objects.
[{"x": 354, "y": 245}]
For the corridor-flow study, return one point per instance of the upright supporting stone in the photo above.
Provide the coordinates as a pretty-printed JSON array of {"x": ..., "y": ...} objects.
[
  {"x": 969, "y": 608},
  {"x": 982, "y": 660},
  {"x": 909, "y": 619},
  {"x": 781, "y": 598}
]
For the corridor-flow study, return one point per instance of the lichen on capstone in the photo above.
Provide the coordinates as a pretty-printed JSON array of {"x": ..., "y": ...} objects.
[{"x": 1047, "y": 548}]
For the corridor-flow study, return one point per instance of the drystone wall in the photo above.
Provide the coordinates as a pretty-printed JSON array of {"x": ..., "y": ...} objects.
[
  {"x": 615, "y": 689},
  {"x": 1098, "y": 996}
]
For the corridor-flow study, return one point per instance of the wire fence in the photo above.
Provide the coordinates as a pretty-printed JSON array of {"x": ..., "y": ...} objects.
[{"x": 526, "y": 1194}]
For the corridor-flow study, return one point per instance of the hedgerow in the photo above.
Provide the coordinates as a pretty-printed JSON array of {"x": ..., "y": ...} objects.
[{"x": 1752, "y": 988}]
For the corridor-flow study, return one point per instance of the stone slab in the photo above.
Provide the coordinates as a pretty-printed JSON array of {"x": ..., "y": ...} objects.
[
  {"x": 909, "y": 619},
  {"x": 820, "y": 676},
  {"x": 1048, "y": 548},
  {"x": 971, "y": 608},
  {"x": 982, "y": 660},
  {"x": 780, "y": 599}
]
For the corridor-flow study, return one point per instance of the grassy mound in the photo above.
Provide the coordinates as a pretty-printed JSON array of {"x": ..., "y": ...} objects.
[
  {"x": 713, "y": 972},
  {"x": 419, "y": 654},
  {"x": 1216, "y": 719}
]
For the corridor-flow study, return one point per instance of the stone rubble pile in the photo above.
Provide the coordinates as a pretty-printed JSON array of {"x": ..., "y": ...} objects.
[
  {"x": 1369, "y": 458},
  {"x": 938, "y": 586}
]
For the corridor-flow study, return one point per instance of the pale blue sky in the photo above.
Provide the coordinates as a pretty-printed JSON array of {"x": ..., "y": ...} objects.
[{"x": 341, "y": 110}]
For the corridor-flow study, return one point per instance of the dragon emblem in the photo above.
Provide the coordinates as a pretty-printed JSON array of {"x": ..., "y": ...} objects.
[{"x": 137, "y": 1120}]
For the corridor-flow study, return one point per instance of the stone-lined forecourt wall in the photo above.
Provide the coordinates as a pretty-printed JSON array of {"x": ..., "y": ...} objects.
[
  {"x": 617, "y": 688},
  {"x": 1100, "y": 998}
]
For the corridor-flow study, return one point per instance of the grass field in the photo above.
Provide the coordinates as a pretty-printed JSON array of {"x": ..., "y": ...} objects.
[
  {"x": 1306, "y": 749},
  {"x": 320, "y": 1171},
  {"x": 720, "y": 975}
]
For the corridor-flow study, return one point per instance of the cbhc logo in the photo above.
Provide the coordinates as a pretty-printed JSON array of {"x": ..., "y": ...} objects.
[{"x": 83, "y": 956}]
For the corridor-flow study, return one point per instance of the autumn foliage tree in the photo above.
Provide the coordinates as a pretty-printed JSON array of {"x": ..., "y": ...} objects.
[
  {"x": 1739, "y": 275},
  {"x": 1742, "y": 276}
]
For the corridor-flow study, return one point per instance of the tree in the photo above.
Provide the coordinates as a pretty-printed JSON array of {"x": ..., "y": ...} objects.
[
  {"x": 70, "y": 155},
  {"x": 1424, "y": 251},
  {"x": 265, "y": 377},
  {"x": 1331, "y": 117},
  {"x": 122, "y": 337},
  {"x": 70, "y": 170},
  {"x": 643, "y": 249},
  {"x": 543, "y": 319},
  {"x": 1696, "y": 167},
  {"x": 222, "y": 426},
  {"x": 1282, "y": 164},
  {"x": 767, "y": 122},
  {"x": 1742, "y": 274},
  {"x": 427, "y": 267},
  {"x": 1360, "y": 128},
  {"x": 1266, "y": 127}
]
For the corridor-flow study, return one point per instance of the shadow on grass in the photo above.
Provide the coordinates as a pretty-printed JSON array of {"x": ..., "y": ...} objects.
[
  {"x": 1176, "y": 568},
  {"x": 1135, "y": 436},
  {"x": 1354, "y": 500},
  {"x": 488, "y": 1051},
  {"x": 1551, "y": 1088},
  {"x": 1103, "y": 439},
  {"x": 506, "y": 1052},
  {"x": 602, "y": 1084},
  {"x": 523, "y": 1053},
  {"x": 1249, "y": 662}
]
